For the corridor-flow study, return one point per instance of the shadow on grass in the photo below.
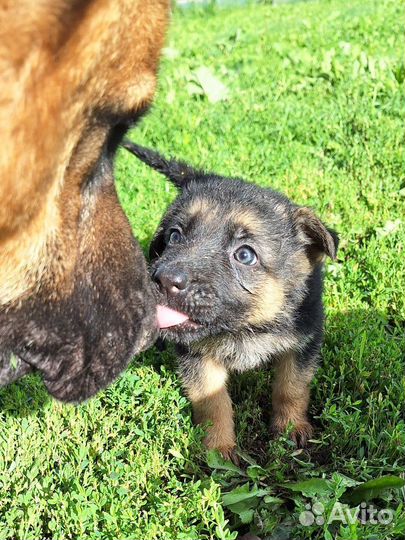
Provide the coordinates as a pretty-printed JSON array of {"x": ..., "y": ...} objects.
[
  {"x": 357, "y": 346},
  {"x": 355, "y": 396},
  {"x": 24, "y": 397}
]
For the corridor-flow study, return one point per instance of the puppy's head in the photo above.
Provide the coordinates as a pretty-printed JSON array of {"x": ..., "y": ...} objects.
[{"x": 231, "y": 255}]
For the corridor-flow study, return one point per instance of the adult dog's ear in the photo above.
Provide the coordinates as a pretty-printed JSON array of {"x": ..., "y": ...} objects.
[
  {"x": 319, "y": 239},
  {"x": 178, "y": 172}
]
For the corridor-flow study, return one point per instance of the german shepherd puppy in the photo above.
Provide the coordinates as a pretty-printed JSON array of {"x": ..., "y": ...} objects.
[{"x": 240, "y": 271}]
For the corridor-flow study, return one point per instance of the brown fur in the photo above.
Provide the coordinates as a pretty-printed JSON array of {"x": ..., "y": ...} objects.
[
  {"x": 213, "y": 406},
  {"x": 291, "y": 398},
  {"x": 74, "y": 73},
  {"x": 64, "y": 65},
  {"x": 269, "y": 300},
  {"x": 246, "y": 220},
  {"x": 202, "y": 208}
]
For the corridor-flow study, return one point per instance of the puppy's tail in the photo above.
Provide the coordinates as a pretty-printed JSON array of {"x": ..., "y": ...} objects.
[{"x": 178, "y": 172}]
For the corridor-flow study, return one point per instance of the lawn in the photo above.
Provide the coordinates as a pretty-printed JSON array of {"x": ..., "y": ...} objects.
[{"x": 308, "y": 99}]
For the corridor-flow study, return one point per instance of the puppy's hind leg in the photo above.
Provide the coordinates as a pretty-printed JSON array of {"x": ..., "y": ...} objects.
[
  {"x": 291, "y": 397},
  {"x": 204, "y": 380}
]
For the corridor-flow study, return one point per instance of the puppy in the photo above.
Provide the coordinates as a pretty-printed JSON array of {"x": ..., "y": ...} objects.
[
  {"x": 240, "y": 269},
  {"x": 76, "y": 298}
]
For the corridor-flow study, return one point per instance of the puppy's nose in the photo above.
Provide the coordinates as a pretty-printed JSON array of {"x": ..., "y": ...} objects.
[{"x": 173, "y": 280}]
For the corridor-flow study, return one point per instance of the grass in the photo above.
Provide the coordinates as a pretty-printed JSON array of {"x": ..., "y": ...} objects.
[{"x": 315, "y": 108}]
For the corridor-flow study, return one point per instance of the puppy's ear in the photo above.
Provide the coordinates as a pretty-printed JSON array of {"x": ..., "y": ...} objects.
[
  {"x": 319, "y": 239},
  {"x": 177, "y": 172}
]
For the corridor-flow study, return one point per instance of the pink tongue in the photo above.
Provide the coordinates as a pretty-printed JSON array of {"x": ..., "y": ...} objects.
[{"x": 168, "y": 317}]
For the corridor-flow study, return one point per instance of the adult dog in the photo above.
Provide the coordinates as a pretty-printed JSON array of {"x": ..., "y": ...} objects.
[{"x": 75, "y": 299}]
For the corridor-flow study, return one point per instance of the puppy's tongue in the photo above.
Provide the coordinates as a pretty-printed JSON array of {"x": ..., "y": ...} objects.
[{"x": 167, "y": 317}]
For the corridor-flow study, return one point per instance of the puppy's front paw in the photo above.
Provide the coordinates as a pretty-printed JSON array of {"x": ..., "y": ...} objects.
[
  {"x": 302, "y": 431},
  {"x": 301, "y": 434},
  {"x": 228, "y": 452},
  {"x": 216, "y": 440}
]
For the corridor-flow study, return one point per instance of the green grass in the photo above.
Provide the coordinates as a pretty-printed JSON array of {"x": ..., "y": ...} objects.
[{"x": 315, "y": 108}]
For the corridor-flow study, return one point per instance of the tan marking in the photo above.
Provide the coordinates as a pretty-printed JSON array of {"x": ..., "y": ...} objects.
[
  {"x": 216, "y": 411},
  {"x": 248, "y": 351},
  {"x": 25, "y": 260},
  {"x": 213, "y": 379},
  {"x": 201, "y": 207},
  {"x": 63, "y": 65},
  {"x": 281, "y": 210},
  {"x": 247, "y": 220},
  {"x": 291, "y": 395},
  {"x": 140, "y": 92},
  {"x": 268, "y": 301},
  {"x": 212, "y": 405},
  {"x": 302, "y": 264}
]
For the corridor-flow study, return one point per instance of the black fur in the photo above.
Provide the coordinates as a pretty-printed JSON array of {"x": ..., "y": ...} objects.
[
  {"x": 221, "y": 296},
  {"x": 283, "y": 235}
]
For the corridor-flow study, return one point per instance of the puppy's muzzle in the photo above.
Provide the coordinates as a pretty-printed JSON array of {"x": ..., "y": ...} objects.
[{"x": 172, "y": 279}]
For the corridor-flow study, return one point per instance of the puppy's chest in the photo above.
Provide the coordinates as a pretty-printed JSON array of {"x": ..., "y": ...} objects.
[{"x": 241, "y": 353}]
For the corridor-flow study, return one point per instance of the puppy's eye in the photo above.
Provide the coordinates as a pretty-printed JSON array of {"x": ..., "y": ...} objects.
[
  {"x": 245, "y": 255},
  {"x": 175, "y": 236}
]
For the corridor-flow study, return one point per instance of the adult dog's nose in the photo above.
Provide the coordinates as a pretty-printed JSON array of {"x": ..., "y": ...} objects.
[{"x": 173, "y": 280}]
